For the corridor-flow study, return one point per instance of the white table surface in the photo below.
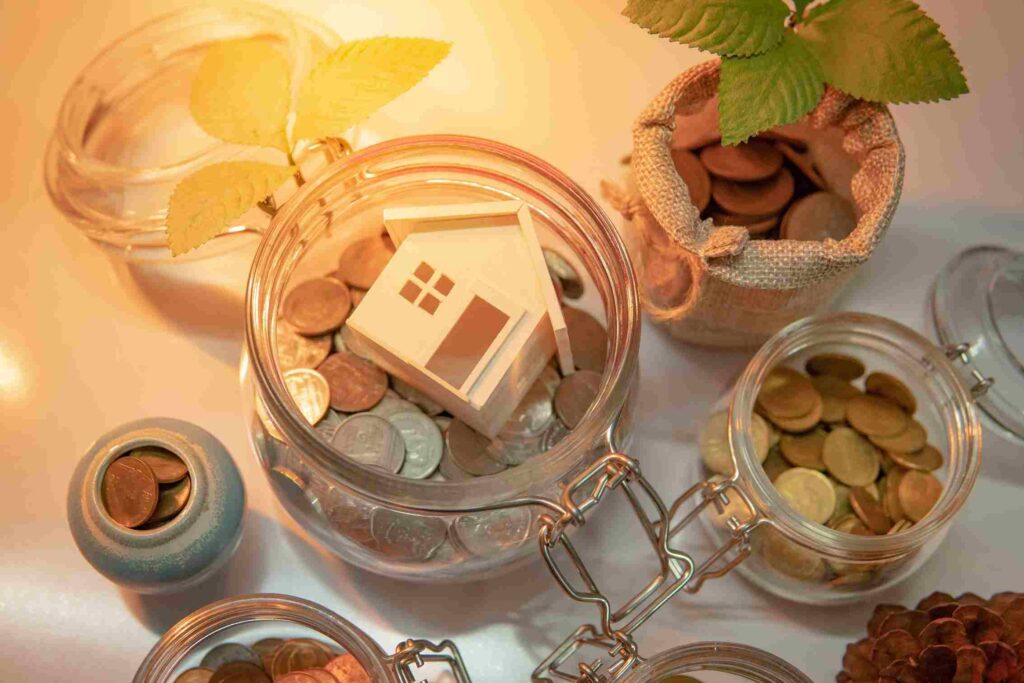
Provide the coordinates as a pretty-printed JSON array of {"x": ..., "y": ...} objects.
[{"x": 87, "y": 343}]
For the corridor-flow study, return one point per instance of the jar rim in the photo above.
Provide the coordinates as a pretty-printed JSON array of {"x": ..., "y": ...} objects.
[
  {"x": 747, "y": 661},
  {"x": 621, "y": 304},
  {"x": 963, "y": 429},
  {"x": 181, "y": 638}
]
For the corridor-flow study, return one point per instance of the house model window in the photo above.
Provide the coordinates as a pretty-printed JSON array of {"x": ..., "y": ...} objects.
[{"x": 465, "y": 310}]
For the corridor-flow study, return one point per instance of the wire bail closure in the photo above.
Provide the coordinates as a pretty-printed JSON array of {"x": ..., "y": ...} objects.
[{"x": 414, "y": 653}]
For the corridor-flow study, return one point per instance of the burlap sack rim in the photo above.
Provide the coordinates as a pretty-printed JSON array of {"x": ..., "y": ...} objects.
[{"x": 724, "y": 252}]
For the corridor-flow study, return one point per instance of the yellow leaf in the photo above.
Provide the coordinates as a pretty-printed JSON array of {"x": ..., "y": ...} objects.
[
  {"x": 206, "y": 202},
  {"x": 241, "y": 93},
  {"x": 358, "y": 79}
]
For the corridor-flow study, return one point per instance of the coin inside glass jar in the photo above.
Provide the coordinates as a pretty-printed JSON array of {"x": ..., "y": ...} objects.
[{"x": 276, "y": 660}]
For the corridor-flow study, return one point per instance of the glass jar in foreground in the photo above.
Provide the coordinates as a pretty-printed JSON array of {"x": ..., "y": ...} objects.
[
  {"x": 714, "y": 663},
  {"x": 385, "y": 523},
  {"x": 124, "y": 135},
  {"x": 883, "y": 504}
]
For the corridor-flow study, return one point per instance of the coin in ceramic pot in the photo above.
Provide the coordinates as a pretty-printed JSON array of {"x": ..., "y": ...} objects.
[
  {"x": 298, "y": 654},
  {"x": 745, "y": 162},
  {"x": 130, "y": 491},
  {"x": 172, "y": 500},
  {"x": 927, "y": 459},
  {"x": 405, "y": 536},
  {"x": 694, "y": 176},
  {"x": 911, "y": 439},
  {"x": 869, "y": 510},
  {"x": 804, "y": 450},
  {"x": 563, "y": 272},
  {"x": 347, "y": 669},
  {"x": 755, "y": 225},
  {"x": 819, "y": 216},
  {"x": 317, "y": 307},
  {"x": 575, "y": 395},
  {"x": 240, "y": 672},
  {"x": 166, "y": 466},
  {"x": 310, "y": 391},
  {"x": 835, "y": 365},
  {"x": 808, "y": 492},
  {"x": 198, "y": 675},
  {"x": 356, "y": 384},
  {"x": 885, "y": 385},
  {"x": 370, "y": 440},
  {"x": 875, "y": 416},
  {"x": 587, "y": 338},
  {"x": 489, "y": 533},
  {"x": 363, "y": 261},
  {"x": 469, "y": 450},
  {"x": 850, "y": 458},
  {"x": 765, "y": 197},
  {"x": 423, "y": 444},
  {"x": 227, "y": 653},
  {"x": 918, "y": 493},
  {"x": 294, "y": 350}
]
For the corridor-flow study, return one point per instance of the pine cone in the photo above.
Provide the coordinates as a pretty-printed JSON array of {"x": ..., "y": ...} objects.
[{"x": 943, "y": 640}]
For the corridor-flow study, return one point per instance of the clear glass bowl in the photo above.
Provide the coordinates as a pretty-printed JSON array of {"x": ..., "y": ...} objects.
[
  {"x": 826, "y": 566},
  {"x": 334, "y": 498},
  {"x": 716, "y": 663},
  {"x": 124, "y": 136}
]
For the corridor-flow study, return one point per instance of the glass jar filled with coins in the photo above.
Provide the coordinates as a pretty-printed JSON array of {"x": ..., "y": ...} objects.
[
  {"x": 370, "y": 466},
  {"x": 845, "y": 450},
  {"x": 715, "y": 663},
  {"x": 271, "y": 638}
]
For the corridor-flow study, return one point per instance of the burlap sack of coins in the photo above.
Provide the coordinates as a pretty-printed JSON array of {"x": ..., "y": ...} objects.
[{"x": 716, "y": 286}]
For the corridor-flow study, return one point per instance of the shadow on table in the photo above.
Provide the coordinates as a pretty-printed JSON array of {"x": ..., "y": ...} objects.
[{"x": 242, "y": 574}]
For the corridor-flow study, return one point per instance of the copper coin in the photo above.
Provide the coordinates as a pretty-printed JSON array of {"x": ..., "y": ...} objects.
[
  {"x": 850, "y": 457},
  {"x": 299, "y": 677},
  {"x": 227, "y": 653},
  {"x": 754, "y": 199},
  {"x": 240, "y": 672},
  {"x": 697, "y": 180},
  {"x": 910, "y": 440},
  {"x": 786, "y": 393},
  {"x": 885, "y": 385},
  {"x": 868, "y": 510},
  {"x": 319, "y": 675},
  {"x": 918, "y": 493},
  {"x": 927, "y": 459},
  {"x": 587, "y": 338},
  {"x": 299, "y": 654},
  {"x": 748, "y": 161},
  {"x": 468, "y": 449},
  {"x": 804, "y": 450},
  {"x": 347, "y": 669},
  {"x": 265, "y": 650},
  {"x": 696, "y": 128},
  {"x": 130, "y": 491},
  {"x": 796, "y": 425},
  {"x": 755, "y": 225},
  {"x": 356, "y": 384},
  {"x": 575, "y": 395},
  {"x": 364, "y": 260},
  {"x": 835, "y": 393},
  {"x": 172, "y": 500},
  {"x": 836, "y": 364},
  {"x": 317, "y": 306},
  {"x": 197, "y": 675},
  {"x": 294, "y": 350},
  {"x": 874, "y": 416},
  {"x": 167, "y": 467},
  {"x": 803, "y": 161},
  {"x": 819, "y": 216}
]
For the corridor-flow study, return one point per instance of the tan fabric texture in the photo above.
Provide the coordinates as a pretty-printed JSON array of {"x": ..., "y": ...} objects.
[{"x": 715, "y": 286}]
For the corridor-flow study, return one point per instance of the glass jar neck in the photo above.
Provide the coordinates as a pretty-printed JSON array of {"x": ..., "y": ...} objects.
[
  {"x": 594, "y": 240},
  {"x": 161, "y": 662},
  {"x": 744, "y": 662},
  {"x": 896, "y": 341}
]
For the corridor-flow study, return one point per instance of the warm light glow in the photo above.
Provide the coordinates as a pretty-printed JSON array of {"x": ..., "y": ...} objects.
[{"x": 12, "y": 378}]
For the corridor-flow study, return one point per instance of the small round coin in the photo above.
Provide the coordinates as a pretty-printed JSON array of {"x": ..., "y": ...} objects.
[
  {"x": 564, "y": 273},
  {"x": 240, "y": 672},
  {"x": 318, "y": 306},
  {"x": 228, "y": 653},
  {"x": 587, "y": 338},
  {"x": 918, "y": 493},
  {"x": 835, "y": 392},
  {"x": 926, "y": 459},
  {"x": 488, "y": 533},
  {"x": 755, "y": 225},
  {"x": 788, "y": 557},
  {"x": 850, "y": 457},
  {"x": 774, "y": 465},
  {"x": 765, "y": 197},
  {"x": 891, "y": 495},
  {"x": 819, "y": 216},
  {"x": 804, "y": 450},
  {"x": 808, "y": 492},
  {"x": 172, "y": 500},
  {"x": 167, "y": 467},
  {"x": 196, "y": 675},
  {"x": 911, "y": 439},
  {"x": 749, "y": 161},
  {"x": 299, "y": 654},
  {"x": 407, "y": 536},
  {"x": 299, "y": 677},
  {"x": 874, "y": 416},
  {"x": 575, "y": 395},
  {"x": 130, "y": 491},
  {"x": 309, "y": 389},
  {"x": 797, "y": 425},
  {"x": 869, "y": 510},
  {"x": 423, "y": 444},
  {"x": 295, "y": 350},
  {"x": 803, "y": 161},
  {"x": 468, "y": 450},
  {"x": 265, "y": 650},
  {"x": 355, "y": 384},
  {"x": 694, "y": 176},
  {"x": 414, "y": 395},
  {"x": 885, "y": 385},
  {"x": 370, "y": 440},
  {"x": 532, "y": 416},
  {"x": 786, "y": 393},
  {"x": 347, "y": 669},
  {"x": 363, "y": 261},
  {"x": 836, "y": 365}
]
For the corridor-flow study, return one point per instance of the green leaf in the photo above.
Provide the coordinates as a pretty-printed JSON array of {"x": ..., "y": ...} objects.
[
  {"x": 883, "y": 51},
  {"x": 800, "y": 6},
  {"x": 725, "y": 27},
  {"x": 359, "y": 78},
  {"x": 241, "y": 93},
  {"x": 760, "y": 92},
  {"x": 206, "y": 202}
]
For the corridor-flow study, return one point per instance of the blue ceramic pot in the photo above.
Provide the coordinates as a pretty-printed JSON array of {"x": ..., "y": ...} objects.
[{"x": 185, "y": 550}]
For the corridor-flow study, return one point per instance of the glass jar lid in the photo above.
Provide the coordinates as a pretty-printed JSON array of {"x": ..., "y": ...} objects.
[{"x": 979, "y": 316}]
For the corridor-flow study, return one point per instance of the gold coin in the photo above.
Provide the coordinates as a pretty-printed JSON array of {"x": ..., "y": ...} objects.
[
  {"x": 891, "y": 495},
  {"x": 918, "y": 493},
  {"x": 774, "y": 464},
  {"x": 850, "y": 524},
  {"x": 874, "y": 416},
  {"x": 789, "y": 558},
  {"x": 786, "y": 393},
  {"x": 796, "y": 425},
  {"x": 885, "y": 385},
  {"x": 835, "y": 392},
  {"x": 926, "y": 459},
  {"x": 850, "y": 458},
  {"x": 836, "y": 365},
  {"x": 911, "y": 439},
  {"x": 808, "y": 492},
  {"x": 842, "y": 502},
  {"x": 364, "y": 260},
  {"x": 899, "y": 527},
  {"x": 869, "y": 510},
  {"x": 804, "y": 450}
]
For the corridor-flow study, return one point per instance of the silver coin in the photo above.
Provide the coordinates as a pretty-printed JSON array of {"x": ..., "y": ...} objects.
[
  {"x": 488, "y": 533},
  {"x": 293, "y": 350},
  {"x": 560, "y": 268},
  {"x": 310, "y": 391},
  {"x": 532, "y": 416},
  {"x": 468, "y": 450},
  {"x": 517, "y": 451},
  {"x": 411, "y": 393},
  {"x": 393, "y": 404},
  {"x": 329, "y": 424},
  {"x": 423, "y": 444},
  {"x": 575, "y": 395},
  {"x": 354, "y": 343},
  {"x": 405, "y": 536},
  {"x": 225, "y": 653},
  {"x": 370, "y": 440}
]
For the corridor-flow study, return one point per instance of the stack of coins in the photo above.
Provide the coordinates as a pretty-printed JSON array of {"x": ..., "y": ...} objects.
[
  {"x": 769, "y": 185},
  {"x": 275, "y": 660},
  {"x": 851, "y": 458},
  {"x": 380, "y": 421},
  {"x": 146, "y": 488}
]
